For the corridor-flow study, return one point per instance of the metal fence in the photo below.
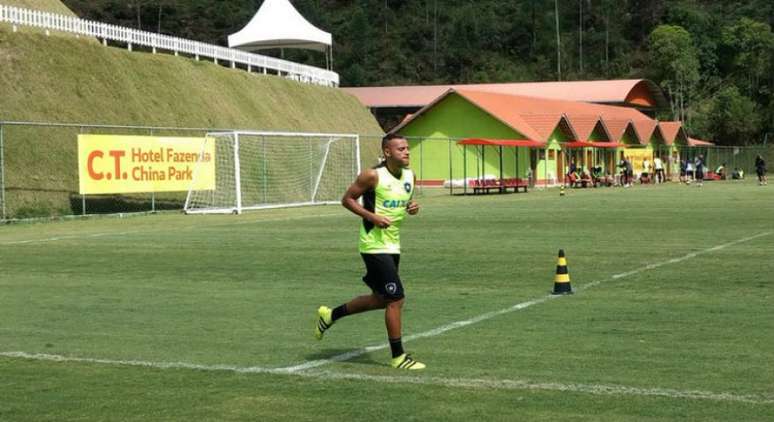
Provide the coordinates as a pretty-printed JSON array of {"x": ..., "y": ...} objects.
[
  {"x": 39, "y": 171},
  {"x": 133, "y": 37},
  {"x": 39, "y": 167},
  {"x": 442, "y": 163},
  {"x": 39, "y": 176}
]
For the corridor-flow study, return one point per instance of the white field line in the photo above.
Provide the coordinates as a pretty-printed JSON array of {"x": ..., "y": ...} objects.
[
  {"x": 453, "y": 382},
  {"x": 517, "y": 307},
  {"x": 481, "y": 384},
  {"x": 676, "y": 260},
  {"x": 509, "y": 384},
  {"x": 67, "y": 237},
  {"x": 162, "y": 229}
]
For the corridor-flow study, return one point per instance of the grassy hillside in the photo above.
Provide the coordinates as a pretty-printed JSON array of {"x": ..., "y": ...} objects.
[
  {"x": 65, "y": 79},
  {"x": 55, "y": 6}
]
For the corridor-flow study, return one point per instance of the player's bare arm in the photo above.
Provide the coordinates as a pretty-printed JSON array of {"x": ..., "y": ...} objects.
[
  {"x": 413, "y": 206},
  {"x": 365, "y": 181}
]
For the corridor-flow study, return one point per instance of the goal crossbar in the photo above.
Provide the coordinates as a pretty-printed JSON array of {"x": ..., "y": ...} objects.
[{"x": 265, "y": 169}]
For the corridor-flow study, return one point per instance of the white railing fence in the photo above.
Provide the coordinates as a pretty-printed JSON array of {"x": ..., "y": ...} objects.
[{"x": 133, "y": 37}]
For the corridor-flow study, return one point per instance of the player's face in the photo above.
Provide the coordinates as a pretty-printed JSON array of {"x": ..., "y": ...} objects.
[{"x": 398, "y": 150}]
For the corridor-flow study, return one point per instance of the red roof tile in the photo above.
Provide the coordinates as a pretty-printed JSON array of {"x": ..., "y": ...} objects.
[
  {"x": 672, "y": 131},
  {"x": 584, "y": 125},
  {"x": 645, "y": 128},
  {"x": 698, "y": 142},
  {"x": 638, "y": 92},
  {"x": 537, "y": 118}
]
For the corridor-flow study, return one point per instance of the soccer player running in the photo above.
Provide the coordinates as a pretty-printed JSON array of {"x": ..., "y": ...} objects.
[{"x": 387, "y": 192}]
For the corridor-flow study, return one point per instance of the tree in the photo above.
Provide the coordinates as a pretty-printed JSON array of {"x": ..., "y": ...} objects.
[
  {"x": 674, "y": 64},
  {"x": 677, "y": 43},
  {"x": 729, "y": 118},
  {"x": 750, "y": 46},
  {"x": 702, "y": 23}
]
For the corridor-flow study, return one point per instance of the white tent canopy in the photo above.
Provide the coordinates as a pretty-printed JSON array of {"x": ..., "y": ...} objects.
[{"x": 279, "y": 25}]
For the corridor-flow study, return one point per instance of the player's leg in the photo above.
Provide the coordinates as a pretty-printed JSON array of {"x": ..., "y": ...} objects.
[
  {"x": 375, "y": 264},
  {"x": 327, "y": 316},
  {"x": 392, "y": 319},
  {"x": 393, "y": 292}
]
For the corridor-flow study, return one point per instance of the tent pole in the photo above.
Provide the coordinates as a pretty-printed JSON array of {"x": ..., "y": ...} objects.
[
  {"x": 483, "y": 162},
  {"x": 501, "y": 168},
  {"x": 451, "y": 170},
  {"x": 545, "y": 167},
  {"x": 465, "y": 169}
]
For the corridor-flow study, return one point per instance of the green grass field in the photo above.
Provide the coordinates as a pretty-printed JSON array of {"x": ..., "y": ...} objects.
[{"x": 181, "y": 318}]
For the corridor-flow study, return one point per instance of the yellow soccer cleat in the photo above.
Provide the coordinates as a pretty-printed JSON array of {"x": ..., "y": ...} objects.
[
  {"x": 405, "y": 361},
  {"x": 324, "y": 321}
]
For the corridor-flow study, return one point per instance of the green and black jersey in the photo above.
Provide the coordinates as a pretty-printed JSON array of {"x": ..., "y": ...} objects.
[{"x": 390, "y": 199}]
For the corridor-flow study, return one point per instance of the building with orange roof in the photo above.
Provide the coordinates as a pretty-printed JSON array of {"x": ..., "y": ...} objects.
[
  {"x": 586, "y": 133},
  {"x": 391, "y": 104}
]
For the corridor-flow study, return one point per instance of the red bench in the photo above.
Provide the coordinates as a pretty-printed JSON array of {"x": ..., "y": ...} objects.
[
  {"x": 574, "y": 181},
  {"x": 515, "y": 184},
  {"x": 487, "y": 185}
]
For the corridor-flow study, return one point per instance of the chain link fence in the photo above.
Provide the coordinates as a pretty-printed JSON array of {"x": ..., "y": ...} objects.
[
  {"x": 443, "y": 163},
  {"x": 39, "y": 176},
  {"x": 39, "y": 167}
]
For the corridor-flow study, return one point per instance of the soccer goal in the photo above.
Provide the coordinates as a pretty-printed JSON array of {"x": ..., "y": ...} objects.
[{"x": 258, "y": 170}]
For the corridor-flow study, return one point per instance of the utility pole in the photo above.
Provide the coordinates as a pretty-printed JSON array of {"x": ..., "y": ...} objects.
[
  {"x": 607, "y": 40},
  {"x": 159, "y": 27},
  {"x": 435, "y": 38},
  {"x": 580, "y": 34},
  {"x": 558, "y": 42},
  {"x": 139, "y": 14}
]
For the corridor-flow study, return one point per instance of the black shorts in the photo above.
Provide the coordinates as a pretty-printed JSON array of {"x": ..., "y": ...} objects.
[
  {"x": 761, "y": 171},
  {"x": 382, "y": 275}
]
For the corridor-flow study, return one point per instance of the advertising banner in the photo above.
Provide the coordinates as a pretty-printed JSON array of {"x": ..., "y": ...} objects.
[
  {"x": 637, "y": 156},
  {"x": 131, "y": 164}
]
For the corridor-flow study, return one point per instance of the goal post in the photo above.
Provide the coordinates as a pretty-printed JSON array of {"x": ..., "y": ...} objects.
[{"x": 259, "y": 170}]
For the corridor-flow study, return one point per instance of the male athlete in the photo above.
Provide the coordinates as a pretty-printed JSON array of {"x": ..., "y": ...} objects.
[{"x": 387, "y": 190}]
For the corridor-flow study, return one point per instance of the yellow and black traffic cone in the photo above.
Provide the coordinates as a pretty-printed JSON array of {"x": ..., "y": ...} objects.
[{"x": 562, "y": 279}]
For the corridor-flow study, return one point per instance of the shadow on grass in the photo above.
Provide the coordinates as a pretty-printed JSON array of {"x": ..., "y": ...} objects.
[{"x": 363, "y": 359}]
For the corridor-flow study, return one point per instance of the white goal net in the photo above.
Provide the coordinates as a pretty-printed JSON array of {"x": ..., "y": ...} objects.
[{"x": 256, "y": 170}]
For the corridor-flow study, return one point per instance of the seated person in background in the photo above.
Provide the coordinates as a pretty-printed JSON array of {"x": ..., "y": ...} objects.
[
  {"x": 737, "y": 174},
  {"x": 600, "y": 177},
  {"x": 570, "y": 179},
  {"x": 644, "y": 177},
  {"x": 585, "y": 179},
  {"x": 721, "y": 171},
  {"x": 572, "y": 172},
  {"x": 609, "y": 179},
  {"x": 596, "y": 175}
]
